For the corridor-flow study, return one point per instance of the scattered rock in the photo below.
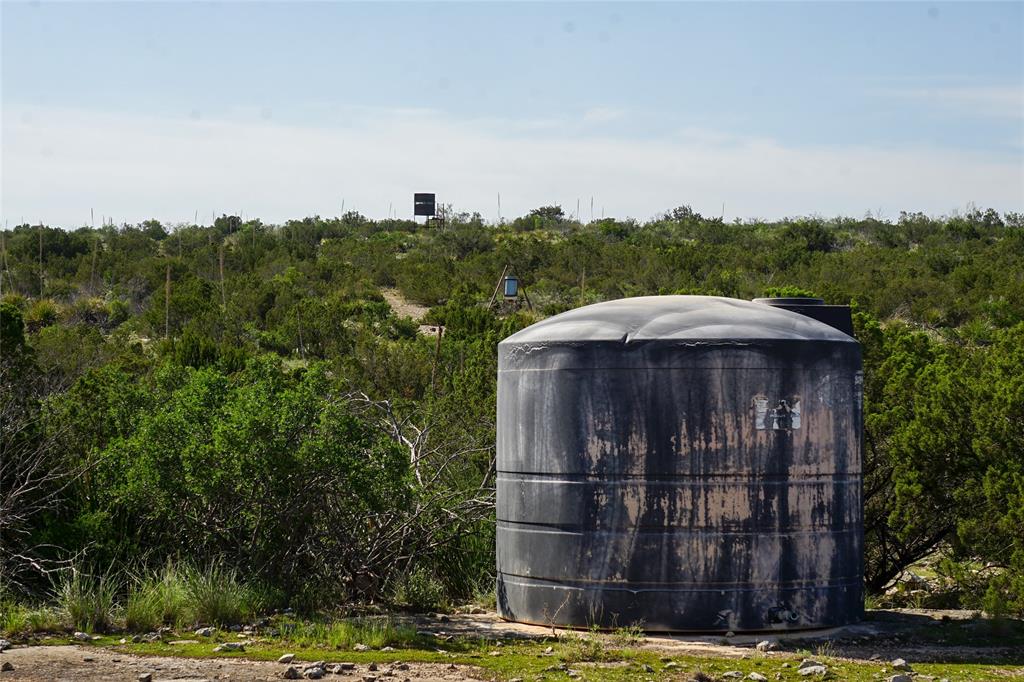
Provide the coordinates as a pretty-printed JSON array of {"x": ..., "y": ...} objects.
[
  {"x": 287, "y": 658},
  {"x": 6, "y": 667},
  {"x": 88, "y": 659},
  {"x": 229, "y": 646},
  {"x": 899, "y": 678},
  {"x": 236, "y": 628},
  {"x": 314, "y": 673},
  {"x": 4, "y": 645},
  {"x": 81, "y": 637},
  {"x": 372, "y": 667},
  {"x": 550, "y": 650},
  {"x": 146, "y": 677},
  {"x": 807, "y": 663},
  {"x": 813, "y": 670},
  {"x": 205, "y": 632},
  {"x": 646, "y": 668},
  {"x": 757, "y": 677},
  {"x": 730, "y": 634},
  {"x": 733, "y": 675},
  {"x": 122, "y": 641},
  {"x": 345, "y": 666},
  {"x": 361, "y": 647},
  {"x": 136, "y": 639},
  {"x": 900, "y": 664},
  {"x": 388, "y": 648},
  {"x": 766, "y": 645},
  {"x": 292, "y": 673},
  {"x": 178, "y": 642},
  {"x": 495, "y": 653}
]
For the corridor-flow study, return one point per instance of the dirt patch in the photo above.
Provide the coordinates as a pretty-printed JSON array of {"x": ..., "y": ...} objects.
[
  {"x": 925, "y": 635},
  {"x": 401, "y": 306},
  {"x": 90, "y": 664}
]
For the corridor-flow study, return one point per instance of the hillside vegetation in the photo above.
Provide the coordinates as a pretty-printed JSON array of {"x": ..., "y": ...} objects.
[{"x": 274, "y": 426}]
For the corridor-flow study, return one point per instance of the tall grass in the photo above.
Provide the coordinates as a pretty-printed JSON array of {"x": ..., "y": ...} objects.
[
  {"x": 19, "y": 619},
  {"x": 187, "y": 595},
  {"x": 344, "y": 634},
  {"x": 13, "y": 618},
  {"x": 217, "y": 596},
  {"x": 158, "y": 598},
  {"x": 176, "y": 595},
  {"x": 88, "y": 600}
]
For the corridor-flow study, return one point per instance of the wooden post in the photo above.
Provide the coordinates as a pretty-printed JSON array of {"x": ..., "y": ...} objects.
[{"x": 501, "y": 278}]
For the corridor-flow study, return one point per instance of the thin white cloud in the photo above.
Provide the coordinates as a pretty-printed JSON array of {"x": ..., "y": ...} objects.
[
  {"x": 602, "y": 115},
  {"x": 58, "y": 163},
  {"x": 1001, "y": 101}
]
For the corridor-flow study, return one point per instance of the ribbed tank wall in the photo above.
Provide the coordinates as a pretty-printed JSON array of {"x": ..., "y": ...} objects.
[{"x": 680, "y": 484}]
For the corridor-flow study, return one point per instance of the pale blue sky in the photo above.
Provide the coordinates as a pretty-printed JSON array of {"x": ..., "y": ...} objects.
[{"x": 284, "y": 110}]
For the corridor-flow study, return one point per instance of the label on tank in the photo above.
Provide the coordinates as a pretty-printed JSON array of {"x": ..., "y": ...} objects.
[{"x": 779, "y": 415}]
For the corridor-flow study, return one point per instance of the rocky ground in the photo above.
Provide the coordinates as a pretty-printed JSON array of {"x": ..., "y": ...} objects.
[
  {"x": 92, "y": 664},
  {"x": 939, "y": 645}
]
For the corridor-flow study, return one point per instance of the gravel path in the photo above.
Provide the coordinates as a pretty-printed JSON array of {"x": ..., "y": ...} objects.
[{"x": 93, "y": 664}]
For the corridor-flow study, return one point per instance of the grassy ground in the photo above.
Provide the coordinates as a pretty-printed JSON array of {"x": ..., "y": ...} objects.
[{"x": 588, "y": 656}]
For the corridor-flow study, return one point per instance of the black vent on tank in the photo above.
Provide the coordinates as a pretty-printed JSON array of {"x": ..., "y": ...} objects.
[{"x": 837, "y": 316}]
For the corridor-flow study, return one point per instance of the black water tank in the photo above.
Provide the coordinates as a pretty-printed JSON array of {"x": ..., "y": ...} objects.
[{"x": 681, "y": 462}]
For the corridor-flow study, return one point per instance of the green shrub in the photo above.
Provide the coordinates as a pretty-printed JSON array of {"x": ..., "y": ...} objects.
[
  {"x": 42, "y": 313},
  {"x": 421, "y": 591}
]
